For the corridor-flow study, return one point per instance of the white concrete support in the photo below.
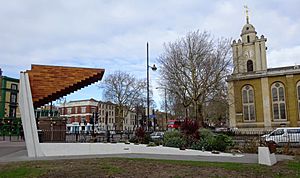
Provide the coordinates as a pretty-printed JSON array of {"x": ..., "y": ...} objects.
[
  {"x": 265, "y": 158},
  {"x": 28, "y": 118},
  {"x": 266, "y": 102},
  {"x": 231, "y": 102}
]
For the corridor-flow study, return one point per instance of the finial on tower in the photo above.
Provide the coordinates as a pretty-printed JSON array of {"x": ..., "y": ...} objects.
[{"x": 247, "y": 13}]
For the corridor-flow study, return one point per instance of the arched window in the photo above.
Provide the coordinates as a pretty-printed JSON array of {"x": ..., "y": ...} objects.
[
  {"x": 248, "y": 103},
  {"x": 249, "y": 66},
  {"x": 298, "y": 94},
  {"x": 248, "y": 38},
  {"x": 278, "y": 101}
]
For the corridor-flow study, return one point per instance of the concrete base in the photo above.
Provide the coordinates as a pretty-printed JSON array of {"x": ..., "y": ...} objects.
[
  {"x": 76, "y": 149},
  {"x": 265, "y": 158}
]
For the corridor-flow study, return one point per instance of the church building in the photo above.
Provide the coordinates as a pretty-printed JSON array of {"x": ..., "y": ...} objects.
[{"x": 260, "y": 97}]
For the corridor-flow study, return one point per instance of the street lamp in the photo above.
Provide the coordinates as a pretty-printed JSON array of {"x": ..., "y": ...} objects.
[
  {"x": 154, "y": 69},
  {"x": 165, "y": 101}
]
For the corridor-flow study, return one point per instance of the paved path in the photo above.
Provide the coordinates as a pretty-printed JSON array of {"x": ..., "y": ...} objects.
[{"x": 16, "y": 151}]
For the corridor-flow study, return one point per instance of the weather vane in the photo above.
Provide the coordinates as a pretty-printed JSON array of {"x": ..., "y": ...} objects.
[{"x": 247, "y": 13}]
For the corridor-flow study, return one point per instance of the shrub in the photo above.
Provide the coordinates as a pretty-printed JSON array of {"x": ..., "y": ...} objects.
[
  {"x": 158, "y": 142},
  {"x": 134, "y": 139},
  {"x": 190, "y": 129},
  {"x": 222, "y": 142},
  {"x": 140, "y": 136},
  {"x": 170, "y": 134},
  {"x": 151, "y": 144},
  {"x": 206, "y": 133},
  {"x": 176, "y": 142},
  {"x": 210, "y": 141},
  {"x": 146, "y": 139},
  {"x": 173, "y": 139},
  {"x": 140, "y": 133}
]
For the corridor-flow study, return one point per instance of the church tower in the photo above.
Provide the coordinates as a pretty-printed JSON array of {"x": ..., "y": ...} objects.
[{"x": 249, "y": 52}]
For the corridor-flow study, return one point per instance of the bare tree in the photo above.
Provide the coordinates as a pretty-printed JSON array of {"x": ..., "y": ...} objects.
[
  {"x": 125, "y": 91},
  {"x": 193, "y": 68}
]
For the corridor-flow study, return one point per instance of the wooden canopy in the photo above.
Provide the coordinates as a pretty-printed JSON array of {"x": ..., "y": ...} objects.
[{"x": 48, "y": 83}]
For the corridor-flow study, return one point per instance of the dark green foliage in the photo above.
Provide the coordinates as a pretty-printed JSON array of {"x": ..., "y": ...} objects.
[
  {"x": 146, "y": 139},
  {"x": 133, "y": 140},
  {"x": 173, "y": 139},
  {"x": 222, "y": 142},
  {"x": 175, "y": 142},
  {"x": 208, "y": 141}
]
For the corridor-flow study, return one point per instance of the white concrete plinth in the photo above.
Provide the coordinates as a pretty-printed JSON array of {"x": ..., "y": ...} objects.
[
  {"x": 76, "y": 149},
  {"x": 265, "y": 158}
]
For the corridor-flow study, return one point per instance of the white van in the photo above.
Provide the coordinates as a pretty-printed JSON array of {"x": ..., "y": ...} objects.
[{"x": 284, "y": 135}]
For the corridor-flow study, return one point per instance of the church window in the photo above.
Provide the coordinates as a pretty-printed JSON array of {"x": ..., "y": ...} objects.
[
  {"x": 278, "y": 101},
  {"x": 248, "y": 103},
  {"x": 249, "y": 66},
  {"x": 298, "y": 93},
  {"x": 248, "y": 38}
]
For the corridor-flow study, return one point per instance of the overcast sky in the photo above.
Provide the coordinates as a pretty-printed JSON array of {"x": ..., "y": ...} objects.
[{"x": 112, "y": 34}]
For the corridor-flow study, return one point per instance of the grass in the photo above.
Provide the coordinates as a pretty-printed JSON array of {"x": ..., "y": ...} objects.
[
  {"x": 21, "y": 172},
  {"x": 110, "y": 169},
  {"x": 137, "y": 167},
  {"x": 227, "y": 166}
]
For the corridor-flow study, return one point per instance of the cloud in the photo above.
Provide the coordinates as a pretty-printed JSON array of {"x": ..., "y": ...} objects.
[
  {"x": 284, "y": 57},
  {"x": 113, "y": 34}
]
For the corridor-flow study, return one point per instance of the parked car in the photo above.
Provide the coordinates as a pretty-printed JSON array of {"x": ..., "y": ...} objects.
[
  {"x": 284, "y": 135},
  {"x": 157, "y": 135}
]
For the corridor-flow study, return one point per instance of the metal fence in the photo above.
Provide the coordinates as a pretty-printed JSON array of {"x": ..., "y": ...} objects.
[
  {"x": 83, "y": 137},
  {"x": 262, "y": 137}
]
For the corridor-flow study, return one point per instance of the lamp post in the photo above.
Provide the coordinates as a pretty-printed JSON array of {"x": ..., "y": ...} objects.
[
  {"x": 154, "y": 69},
  {"x": 165, "y": 89}
]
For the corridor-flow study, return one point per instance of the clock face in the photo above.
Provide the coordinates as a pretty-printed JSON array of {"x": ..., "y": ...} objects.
[{"x": 249, "y": 54}]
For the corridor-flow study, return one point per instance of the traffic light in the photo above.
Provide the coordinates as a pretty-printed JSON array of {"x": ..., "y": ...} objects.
[
  {"x": 92, "y": 118},
  {"x": 96, "y": 117}
]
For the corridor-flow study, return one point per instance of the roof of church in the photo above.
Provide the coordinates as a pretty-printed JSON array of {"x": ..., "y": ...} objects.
[
  {"x": 49, "y": 83},
  {"x": 285, "y": 68},
  {"x": 248, "y": 28}
]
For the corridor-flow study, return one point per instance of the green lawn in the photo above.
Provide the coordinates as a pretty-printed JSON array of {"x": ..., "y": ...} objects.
[{"x": 127, "y": 167}]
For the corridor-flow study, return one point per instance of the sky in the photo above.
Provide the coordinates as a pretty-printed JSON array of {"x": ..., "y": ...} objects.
[{"x": 112, "y": 34}]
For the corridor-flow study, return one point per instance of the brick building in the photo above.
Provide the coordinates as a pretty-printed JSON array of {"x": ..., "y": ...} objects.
[{"x": 78, "y": 114}]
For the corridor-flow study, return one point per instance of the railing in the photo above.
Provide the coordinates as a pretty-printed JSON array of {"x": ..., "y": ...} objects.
[
  {"x": 261, "y": 137},
  {"x": 83, "y": 137}
]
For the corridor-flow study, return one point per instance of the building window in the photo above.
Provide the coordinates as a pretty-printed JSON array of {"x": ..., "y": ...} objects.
[
  {"x": 248, "y": 38},
  {"x": 69, "y": 110},
  {"x": 278, "y": 101},
  {"x": 83, "y": 120},
  {"x": 83, "y": 109},
  {"x": 13, "y": 98},
  {"x": 76, "y": 110},
  {"x": 248, "y": 103},
  {"x": 298, "y": 93},
  {"x": 14, "y": 87},
  {"x": 12, "y": 112},
  {"x": 249, "y": 66}
]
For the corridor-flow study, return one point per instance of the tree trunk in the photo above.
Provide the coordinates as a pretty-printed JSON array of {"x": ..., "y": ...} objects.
[{"x": 200, "y": 113}]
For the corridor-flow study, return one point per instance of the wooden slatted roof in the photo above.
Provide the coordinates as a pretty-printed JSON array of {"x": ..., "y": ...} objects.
[{"x": 49, "y": 83}]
